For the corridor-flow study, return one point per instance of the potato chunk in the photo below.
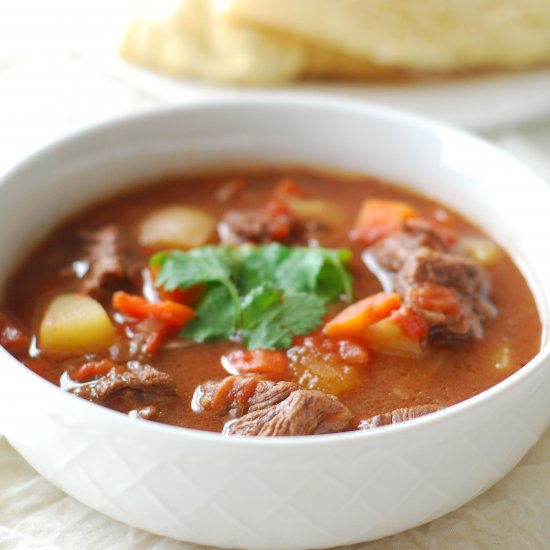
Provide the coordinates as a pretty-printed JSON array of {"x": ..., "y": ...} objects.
[
  {"x": 387, "y": 337},
  {"x": 317, "y": 210},
  {"x": 480, "y": 250},
  {"x": 176, "y": 227},
  {"x": 315, "y": 368},
  {"x": 74, "y": 324}
]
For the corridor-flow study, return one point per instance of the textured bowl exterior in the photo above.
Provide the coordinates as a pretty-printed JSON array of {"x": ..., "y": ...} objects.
[{"x": 318, "y": 491}]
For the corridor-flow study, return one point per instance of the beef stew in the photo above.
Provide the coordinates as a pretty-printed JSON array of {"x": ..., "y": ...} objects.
[{"x": 270, "y": 303}]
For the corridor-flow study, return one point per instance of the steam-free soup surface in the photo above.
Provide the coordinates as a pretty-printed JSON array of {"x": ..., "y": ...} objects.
[{"x": 441, "y": 312}]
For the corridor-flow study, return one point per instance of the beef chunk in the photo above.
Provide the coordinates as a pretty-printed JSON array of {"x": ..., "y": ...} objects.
[
  {"x": 390, "y": 253},
  {"x": 450, "y": 291},
  {"x": 257, "y": 226},
  {"x": 263, "y": 407},
  {"x": 451, "y": 270},
  {"x": 398, "y": 415},
  {"x": 103, "y": 254},
  {"x": 112, "y": 263},
  {"x": 303, "y": 412},
  {"x": 141, "y": 379},
  {"x": 429, "y": 234},
  {"x": 227, "y": 396},
  {"x": 270, "y": 393},
  {"x": 237, "y": 395}
]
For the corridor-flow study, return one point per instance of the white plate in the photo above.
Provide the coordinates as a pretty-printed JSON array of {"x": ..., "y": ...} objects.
[{"x": 480, "y": 103}]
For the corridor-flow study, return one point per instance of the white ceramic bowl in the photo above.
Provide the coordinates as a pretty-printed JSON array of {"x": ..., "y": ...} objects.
[{"x": 280, "y": 493}]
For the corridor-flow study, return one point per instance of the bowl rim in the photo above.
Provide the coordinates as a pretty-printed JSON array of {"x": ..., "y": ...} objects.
[{"x": 280, "y": 100}]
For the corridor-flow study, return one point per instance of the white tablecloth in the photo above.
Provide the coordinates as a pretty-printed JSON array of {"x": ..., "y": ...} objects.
[{"x": 44, "y": 96}]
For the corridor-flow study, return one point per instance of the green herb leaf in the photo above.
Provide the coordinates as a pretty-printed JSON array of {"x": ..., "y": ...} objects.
[
  {"x": 259, "y": 265},
  {"x": 333, "y": 279},
  {"x": 311, "y": 270},
  {"x": 256, "y": 303},
  {"x": 209, "y": 264},
  {"x": 216, "y": 317},
  {"x": 266, "y": 294},
  {"x": 293, "y": 315},
  {"x": 317, "y": 271}
]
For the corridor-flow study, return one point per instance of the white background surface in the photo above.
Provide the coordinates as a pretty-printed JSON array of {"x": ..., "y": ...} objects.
[{"x": 48, "y": 88}]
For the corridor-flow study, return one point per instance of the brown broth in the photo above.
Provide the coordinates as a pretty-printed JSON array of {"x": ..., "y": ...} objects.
[{"x": 450, "y": 372}]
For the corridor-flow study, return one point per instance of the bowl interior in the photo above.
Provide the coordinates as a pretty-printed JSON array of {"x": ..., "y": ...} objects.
[{"x": 487, "y": 186}]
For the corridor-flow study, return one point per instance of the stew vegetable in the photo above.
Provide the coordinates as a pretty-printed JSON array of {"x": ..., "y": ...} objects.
[{"x": 270, "y": 303}]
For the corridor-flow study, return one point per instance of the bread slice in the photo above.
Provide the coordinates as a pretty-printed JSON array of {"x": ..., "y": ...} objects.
[
  {"x": 438, "y": 35},
  {"x": 190, "y": 38}
]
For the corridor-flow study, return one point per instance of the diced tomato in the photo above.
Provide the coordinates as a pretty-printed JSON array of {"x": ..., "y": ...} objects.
[
  {"x": 148, "y": 335},
  {"x": 93, "y": 369},
  {"x": 353, "y": 321},
  {"x": 379, "y": 218},
  {"x": 242, "y": 391},
  {"x": 270, "y": 363},
  {"x": 11, "y": 336},
  {"x": 279, "y": 210},
  {"x": 190, "y": 296},
  {"x": 170, "y": 313},
  {"x": 220, "y": 397},
  {"x": 413, "y": 324},
  {"x": 277, "y": 207},
  {"x": 434, "y": 297},
  {"x": 286, "y": 187},
  {"x": 157, "y": 319},
  {"x": 353, "y": 353},
  {"x": 154, "y": 339},
  {"x": 232, "y": 392},
  {"x": 279, "y": 229}
]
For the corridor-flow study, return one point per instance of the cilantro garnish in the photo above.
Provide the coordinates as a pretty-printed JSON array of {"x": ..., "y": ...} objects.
[{"x": 264, "y": 295}]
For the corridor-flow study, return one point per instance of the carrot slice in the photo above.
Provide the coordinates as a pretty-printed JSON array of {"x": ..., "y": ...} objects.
[
  {"x": 170, "y": 313},
  {"x": 353, "y": 321},
  {"x": 379, "y": 218},
  {"x": 271, "y": 363},
  {"x": 92, "y": 369}
]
